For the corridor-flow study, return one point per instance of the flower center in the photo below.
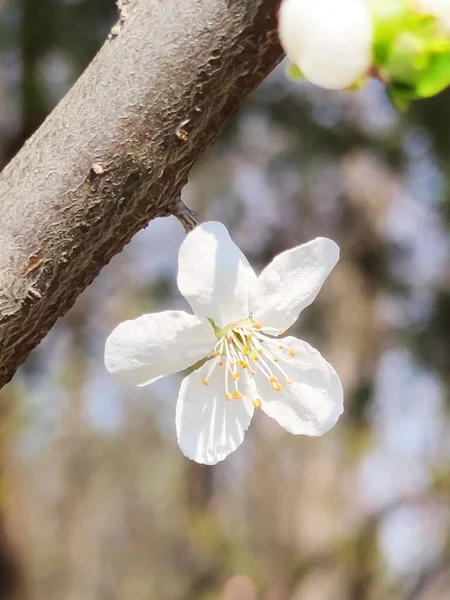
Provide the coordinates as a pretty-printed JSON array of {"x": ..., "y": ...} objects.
[{"x": 240, "y": 351}]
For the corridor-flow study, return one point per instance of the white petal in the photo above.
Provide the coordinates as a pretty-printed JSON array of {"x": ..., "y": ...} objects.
[
  {"x": 313, "y": 403},
  {"x": 439, "y": 8},
  {"x": 213, "y": 274},
  {"x": 209, "y": 427},
  {"x": 292, "y": 281},
  {"x": 329, "y": 40},
  {"x": 144, "y": 349}
]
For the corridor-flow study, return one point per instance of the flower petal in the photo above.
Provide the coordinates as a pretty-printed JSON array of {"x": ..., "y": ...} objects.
[
  {"x": 213, "y": 274},
  {"x": 209, "y": 427},
  {"x": 439, "y": 9},
  {"x": 292, "y": 281},
  {"x": 147, "y": 348},
  {"x": 312, "y": 404}
]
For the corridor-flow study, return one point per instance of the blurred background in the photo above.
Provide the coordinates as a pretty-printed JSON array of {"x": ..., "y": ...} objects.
[{"x": 96, "y": 500}]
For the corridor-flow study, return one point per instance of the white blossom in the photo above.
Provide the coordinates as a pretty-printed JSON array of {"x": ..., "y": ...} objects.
[
  {"x": 329, "y": 40},
  {"x": 240, "y": 362}
]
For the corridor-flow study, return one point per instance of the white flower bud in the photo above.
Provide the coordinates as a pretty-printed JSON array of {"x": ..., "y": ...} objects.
[
  {"x": 329, "y": 40},
  {"x": 439, "y": 8}
]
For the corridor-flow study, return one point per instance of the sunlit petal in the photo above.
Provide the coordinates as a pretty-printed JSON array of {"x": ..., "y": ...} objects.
[
  {"x": 147, "y": 348},
  {"x": 292, "y": 281},
  {"x": 213, "y": 274},
  {"x": 312, "y": 401},
  {"x": 209, "y": 427}
]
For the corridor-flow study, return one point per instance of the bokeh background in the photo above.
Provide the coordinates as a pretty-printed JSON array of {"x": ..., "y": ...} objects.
[{"x": 96, "y": 500}]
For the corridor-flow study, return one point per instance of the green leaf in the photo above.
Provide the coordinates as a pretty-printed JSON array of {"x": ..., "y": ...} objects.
[
  {"x": 389, "y": 18},
  {"x": 437, "y": 76}
]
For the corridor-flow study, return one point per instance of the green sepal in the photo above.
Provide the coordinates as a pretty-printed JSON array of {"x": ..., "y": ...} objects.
[
  {"x": 217, "y": 329},
  {"x": 293, "y": 72},
  {"x": 197, "y": 365}
]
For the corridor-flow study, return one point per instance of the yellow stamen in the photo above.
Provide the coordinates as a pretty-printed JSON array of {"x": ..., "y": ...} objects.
[
  {"x": 244, "y": 364},
  {"x": 289, "y": 380},
  {"x": 273, "y": 379},
  {"x": 235, "y": 376},
  {"x": 281, "y": 331},
  {"x": 292, "y": 351},
  {"x": 257, "y": 325},
  {"x": 257, "y": 403},
  {"x": 281, "y": 347},
  {"x": 237, "y": 395},
  {"x": 277, "y": 387},
  {"x": 228, "y": 397},
  {"x": 245, "y": 351},
  {"x": 275, "y": 359},
  {"x": 254, "y": 356},
  {"x": 249, "y": 335},
  {"x": 205, "y": 382},
  {"x": 260, "y": 350}
]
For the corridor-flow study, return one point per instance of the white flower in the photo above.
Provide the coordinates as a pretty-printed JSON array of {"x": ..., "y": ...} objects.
[
  {"x": 244, "y": 366},
  {"x": 329, "y": 40},
  {"x": 438, "y": 8}
]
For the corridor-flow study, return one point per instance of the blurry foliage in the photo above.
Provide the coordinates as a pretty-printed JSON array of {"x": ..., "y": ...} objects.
[{"x": 97, "y": 501}]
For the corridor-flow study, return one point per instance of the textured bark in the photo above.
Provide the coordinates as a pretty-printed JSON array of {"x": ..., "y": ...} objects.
[{"x": 117, "y": 150}]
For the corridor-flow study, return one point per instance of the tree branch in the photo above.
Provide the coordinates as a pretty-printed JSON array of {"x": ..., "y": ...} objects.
[{"x": 117, "y": 150}]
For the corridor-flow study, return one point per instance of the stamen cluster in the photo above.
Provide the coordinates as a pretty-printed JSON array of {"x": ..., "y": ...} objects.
[{"x": 241, "y": 352}]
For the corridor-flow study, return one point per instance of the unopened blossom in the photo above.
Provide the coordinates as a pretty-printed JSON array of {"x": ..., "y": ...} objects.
[
  {"x": 238, "y": 360},
  {"x": 330, "y": 41}
]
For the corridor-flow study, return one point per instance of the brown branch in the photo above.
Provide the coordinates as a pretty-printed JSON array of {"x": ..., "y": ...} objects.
[{"x": 117, "y": 150}]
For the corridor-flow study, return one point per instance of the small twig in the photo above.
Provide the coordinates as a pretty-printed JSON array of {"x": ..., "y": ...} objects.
[{"x": 186, "y": 216}]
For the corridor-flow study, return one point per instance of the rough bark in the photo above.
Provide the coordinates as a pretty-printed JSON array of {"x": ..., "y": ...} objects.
[{"x": 117, "y": 150}]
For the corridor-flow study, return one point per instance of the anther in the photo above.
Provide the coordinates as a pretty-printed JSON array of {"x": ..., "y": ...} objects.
[
  {"x": 281, "y": 331},
  {"x": 289, "y": 381},
  {"x": 257, "y": 403},
  {"x": 275, "y": 359},
  {"x": 228, "y": 397},
  {"x": 205, "y": 382},
  {"x": 281, "y": 347},
  {"x": 249, "y": 335},
  {"x": 292, "y": 351},
  {"x": 245, "y": 351},
  {"x": 220, "y": 363},
  {"x": 257, "y": 325},
  {"x": 273, "y": 379},
  {"x": 260, "y": 351},
  {"x": 254, "y": 356},
  {"x": 237, "y": 395},
  {"x": 235, "y": 376},
  {"x": 277, "y": 387},
  {"x": 244, "y": 364}
]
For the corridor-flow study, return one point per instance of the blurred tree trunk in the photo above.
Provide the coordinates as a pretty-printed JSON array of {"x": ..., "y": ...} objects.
[
  {"x": 36, "y": 37},
  {"x": 118, "y": 149},
  {"x": 13, "y": 517},
  {"x": 38, "y": 29}
]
